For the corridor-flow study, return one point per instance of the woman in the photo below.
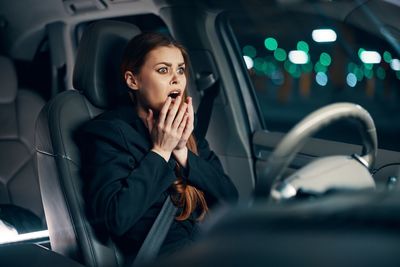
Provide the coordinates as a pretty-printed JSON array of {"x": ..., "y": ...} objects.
[{"x": 137, "y": 155}]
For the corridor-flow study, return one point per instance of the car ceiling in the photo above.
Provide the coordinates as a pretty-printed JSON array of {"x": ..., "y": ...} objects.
[{"x": 22, "y": 23}]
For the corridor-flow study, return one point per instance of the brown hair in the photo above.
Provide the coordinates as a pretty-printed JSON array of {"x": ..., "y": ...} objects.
[{"x": 186, "y": 196}]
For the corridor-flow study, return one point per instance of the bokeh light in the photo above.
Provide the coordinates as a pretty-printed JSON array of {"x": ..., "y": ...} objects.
[
  {"x": 298, "y": 57},
  {"x": 321, "y": 78},
  {"x": 260, "y": 65},
  {"x": 249, "y": 62},
  {"x": 368, "y": 73},
  {"x": 325, "y": 59},
  {"x": 280, "y": 54},
  {"x": 303, "y": 46},
  {"x": 395, "y": 64},
  {"x": 359, "y": 73},
  {"x": 387, "y": 57},
  {"x": 380, "y": 73},
  {"x": 351, "y": 79},
  {"x": 249, "y": 51},
  {"x": 324, "y": 35},
  {"x": 319, "y": 67},
  {"x": 308, "y": 67},
  {"x": 271, "y": 43},
  {"x": 360, "y": 51},
  {"x": 370, "y": 57}
]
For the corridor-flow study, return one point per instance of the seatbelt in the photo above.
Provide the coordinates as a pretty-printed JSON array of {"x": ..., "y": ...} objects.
[
  {"x": 209, "y": 86},
  {"x": 154, "y": 239}
]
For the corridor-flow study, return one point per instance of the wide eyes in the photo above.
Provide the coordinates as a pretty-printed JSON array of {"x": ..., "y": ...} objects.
[
  {"x": 164, "y": 70},
  {"x": 181, "y": 70}
]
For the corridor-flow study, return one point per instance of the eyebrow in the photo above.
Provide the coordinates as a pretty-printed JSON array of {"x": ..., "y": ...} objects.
[{"x": 169, "y": 64}]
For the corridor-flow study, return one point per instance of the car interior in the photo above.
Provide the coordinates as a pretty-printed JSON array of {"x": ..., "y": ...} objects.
[
  {"x": 315, "y": 160},
  {"x": 19, "y": 110}
]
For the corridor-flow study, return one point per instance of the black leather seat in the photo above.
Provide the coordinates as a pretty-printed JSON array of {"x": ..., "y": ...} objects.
[
  {"x": 19, "y": 109},
  {"x": 98, "y": 83}
]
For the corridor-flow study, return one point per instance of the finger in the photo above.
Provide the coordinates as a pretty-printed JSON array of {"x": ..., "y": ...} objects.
[
  {"x": 164, "y": 111},
  {"x": 172, "y": 112},
  {"x": 190, "y": 111},
  {"x": 182, "y": 125},
  {"x": 188, "y": 128},
  {"x": 150, "y": 120},
  {"x": 190, "y": 123},
  {"x": 180, "y": 115}
]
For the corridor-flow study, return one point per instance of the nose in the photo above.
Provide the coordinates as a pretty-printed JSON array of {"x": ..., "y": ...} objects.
[{"x": 174, "y": 79}]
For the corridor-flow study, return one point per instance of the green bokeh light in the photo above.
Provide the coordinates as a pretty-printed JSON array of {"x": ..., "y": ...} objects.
[
  {"x": 398, "y": 75},
  {"x": 287, "y": 65},
  {"x": 280, "y": 54},
  {"x": 296, "y": 72},
  {"x": 325, "y": 59},
  {"x": 249, "y": 51},
  {"x": 293, "y": 69},
  {"x": 270, "y": 68},
  {"x": 359, "y": 73},
  {"x": 368, "y": 73},
  {"x": 368, "y": 66},
  {"x": 271, "y": 43},
  {"x": 260, "y": 66},
  {"x": 380, "y": 73},
  {"x": 351, "y": 67},
  {"x": 360, "y": 51},
  {"x": 387, "y": 57},
  {"x": 308, "y": 67},
  {"x": 303, "y": 46},
  {"x": 319, "y": 67}
]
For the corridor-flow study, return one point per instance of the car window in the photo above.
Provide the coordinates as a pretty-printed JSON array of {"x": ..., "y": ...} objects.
[{"x": 299, "y": 62}]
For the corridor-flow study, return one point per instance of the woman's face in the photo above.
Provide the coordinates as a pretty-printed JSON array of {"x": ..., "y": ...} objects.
[{"x": 162, "y": 75}]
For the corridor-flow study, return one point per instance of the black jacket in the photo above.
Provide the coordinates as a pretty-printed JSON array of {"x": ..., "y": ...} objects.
[{"x": 127, "y": 183}]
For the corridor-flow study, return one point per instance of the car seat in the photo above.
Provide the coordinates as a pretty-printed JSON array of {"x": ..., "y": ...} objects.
[
  {"x": 20, "y": 200},
  {"x": 98, "y": 86}
]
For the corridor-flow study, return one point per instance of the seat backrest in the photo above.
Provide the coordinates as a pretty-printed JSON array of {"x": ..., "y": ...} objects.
[
  {"x": 98, "y": 83},
  {"x": 19, "y": 109}
]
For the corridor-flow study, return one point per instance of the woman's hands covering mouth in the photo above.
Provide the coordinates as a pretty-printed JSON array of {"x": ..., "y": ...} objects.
[{"x": 173, "y": 127}]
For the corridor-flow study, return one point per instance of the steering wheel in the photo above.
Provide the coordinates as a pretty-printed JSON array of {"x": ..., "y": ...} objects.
[{"x": 324, "y": 173}]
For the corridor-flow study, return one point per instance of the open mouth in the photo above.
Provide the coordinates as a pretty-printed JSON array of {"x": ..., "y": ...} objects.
[{"x": 174, "y": 94}]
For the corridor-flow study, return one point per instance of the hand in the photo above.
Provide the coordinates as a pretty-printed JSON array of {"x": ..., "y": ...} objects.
[
  {"x": 181, "y": 152},
  {"x": 167, "y": 131},
  {"x": 188, "y": 125}
]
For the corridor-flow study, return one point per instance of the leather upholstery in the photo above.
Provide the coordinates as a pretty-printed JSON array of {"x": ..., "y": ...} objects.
[
  {"x": 8, "y": 78},
  {"x": 19, "y": 109},
  {"x": 97, "y": 73},
  {"x": 58, "y": 158}
]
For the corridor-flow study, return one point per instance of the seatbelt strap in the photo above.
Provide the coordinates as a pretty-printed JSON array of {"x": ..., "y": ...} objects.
[
  {"x": 209, "y": 85},
  {"x": 156, "y": 236}
]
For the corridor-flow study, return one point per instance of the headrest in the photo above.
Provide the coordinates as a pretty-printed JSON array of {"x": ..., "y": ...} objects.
[
  {"x": 97, "y": 67},
  {"x": 8, "y": 80}
]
